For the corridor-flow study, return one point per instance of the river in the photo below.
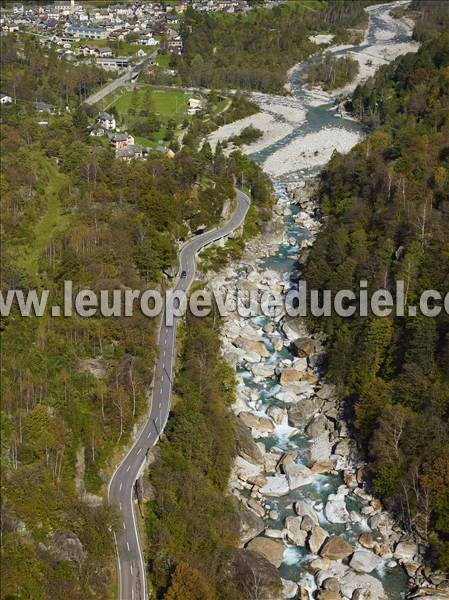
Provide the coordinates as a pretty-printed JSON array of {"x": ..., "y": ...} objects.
[{"x": 297, "y": 156}]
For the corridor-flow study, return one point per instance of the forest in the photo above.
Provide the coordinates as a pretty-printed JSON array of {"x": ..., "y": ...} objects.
[
  {"x": 190, "y": 522},
  {"x": 72, "y": 389},
  {"x": 385, "y": 207},
  {"x": 249, "y": 52},
  {"x": 29, "y": 74}
]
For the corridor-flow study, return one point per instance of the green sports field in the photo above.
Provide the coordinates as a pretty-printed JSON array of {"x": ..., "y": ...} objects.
[{"x": 167, "y": 104}]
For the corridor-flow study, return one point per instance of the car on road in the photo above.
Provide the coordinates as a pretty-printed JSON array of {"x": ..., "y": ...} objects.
[{"x": 183, "y": 274}]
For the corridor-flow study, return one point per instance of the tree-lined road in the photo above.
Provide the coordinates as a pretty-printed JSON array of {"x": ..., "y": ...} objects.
[{"x": 131, "y": 569}]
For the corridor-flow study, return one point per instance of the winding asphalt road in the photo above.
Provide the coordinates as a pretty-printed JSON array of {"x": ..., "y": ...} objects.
[{"x": 131, "y": 569}]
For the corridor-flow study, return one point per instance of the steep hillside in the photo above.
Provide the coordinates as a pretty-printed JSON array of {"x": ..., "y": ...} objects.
[
  {"x": 74, "y": 387},
  {"x": 386, "y": 208}
]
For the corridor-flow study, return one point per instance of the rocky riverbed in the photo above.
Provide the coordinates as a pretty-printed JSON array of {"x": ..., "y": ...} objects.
[{"x": 309, "y": 526}]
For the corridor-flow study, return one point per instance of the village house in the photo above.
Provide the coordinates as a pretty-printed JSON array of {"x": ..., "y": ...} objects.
[
  {"x": 104, "y": 52},
  {"x": 86, "y": 50},
  {"x": 129, "y": 153},
  {"x": 64, "y": 7},
  {"x": 106, "y": 121},
  {"x": 100, "y": 132},
  {"x": 174, "y": 43},
  {"x": 121, "y": 141},
  {"x": 195, "y": 103},
  {"x": 83, "y": 32},
  {"x": 194, "y": 106},
  {"x": 114, "y": 64},
  {"x": 147, "y": 39},
  {"x": 43, "y": 107}
]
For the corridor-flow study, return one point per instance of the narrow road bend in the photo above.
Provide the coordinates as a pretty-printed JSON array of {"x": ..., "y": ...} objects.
[{"x": 130, "y": 561}]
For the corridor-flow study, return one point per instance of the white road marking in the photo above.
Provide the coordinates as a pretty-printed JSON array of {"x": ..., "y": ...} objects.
[
  {"x": 127, "y": 545},
  {"x": 120, "y": 506},
  {"x": 131, "y": 569},
  {"x": 159, "y": 404},
  {"x": 139, "y": 450},
  {"x": 129, "y": 466},
  {"x": 124, "y": 525}
]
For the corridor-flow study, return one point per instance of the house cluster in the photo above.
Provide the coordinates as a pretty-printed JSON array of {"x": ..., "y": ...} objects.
[
  {"x": 123, "y": 143},
  {"x": 94, "y": 51},
  {"x": 139, "y": 22},
  {"x": 125, "y": 148},
  {"x": 229, "y": 6}
]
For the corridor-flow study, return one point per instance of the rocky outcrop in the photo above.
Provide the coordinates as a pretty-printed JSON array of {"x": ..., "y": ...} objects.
[
  {"x": 335, "y": 510},
  {"x": 262, "y": 424},
  {"x": 294, "y": 533},
  {"x": 321, "y": 449},
  {"x": 298, "y": 475},
  {"x": 252, "y": 345},
  {"x": 303, "y": 509},
  {"x": 252, "y": 571},
  {"x": 301, "y": 413},
  {"x": 276, "y": 398},
  {"x": 305, "y": 346},
  {"x": 293, "y": 329},
  {"x": 362, "y": 587},
  {"x": 317, "y": 539},
  {"x": 367, "y": 540},
  {"x": 291, "y": 375},
  {"x": 250, "y": 525},
  {"x": 97, "y": 367},
  {"x": 336, "y": 548},
  {"x": 276, "y": 486},
  {"x": 289, "y": 589},
  {"x": 270, "y": 549},
  {"x": 406, "y": 551},
  {"x": 246, "y": 446},
  {"x": 364, "y": 561},
  {"x": 65, "y": 547}
]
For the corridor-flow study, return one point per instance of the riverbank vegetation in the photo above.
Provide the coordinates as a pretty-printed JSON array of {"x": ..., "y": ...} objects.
[
  {"x": 255, "y": 51},
  {"x": 332, "y": 72},
  {"x": 385, "y": 208},
  {"x": 238, "y": 106},
  {"x": 248, "y": 135},
  {"x": 252, "y": 180}
]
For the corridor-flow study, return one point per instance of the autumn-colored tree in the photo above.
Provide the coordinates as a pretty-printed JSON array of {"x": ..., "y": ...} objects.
[{"x": 188, "y": 583}]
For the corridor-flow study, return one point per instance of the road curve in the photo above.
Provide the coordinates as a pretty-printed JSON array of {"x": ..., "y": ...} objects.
[{"x": 131, "y": 569}]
